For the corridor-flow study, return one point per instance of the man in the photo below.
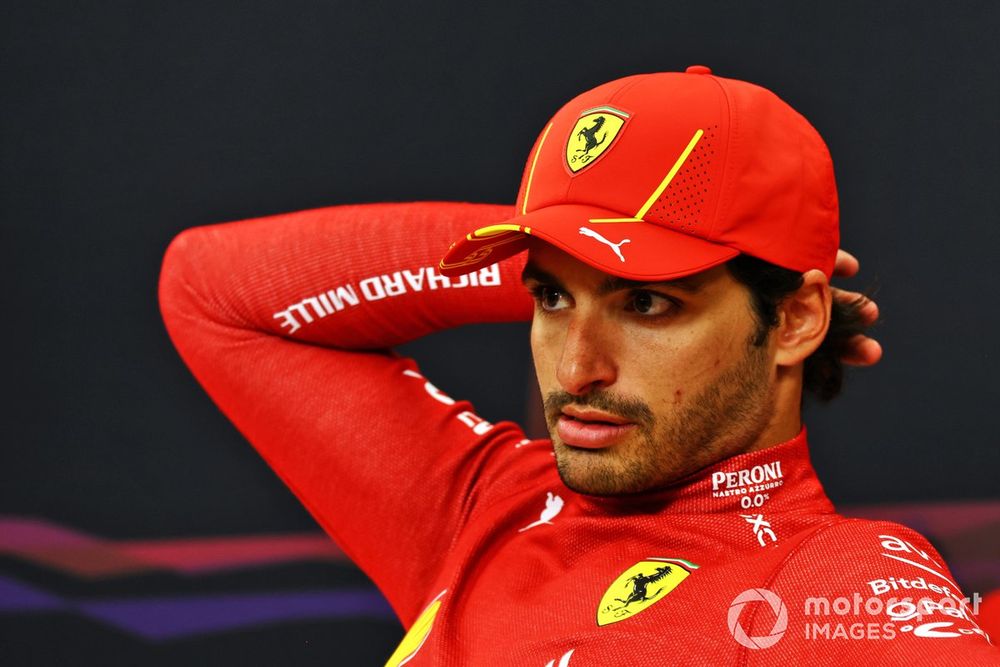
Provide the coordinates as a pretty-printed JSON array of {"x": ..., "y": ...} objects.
[{"x": 681, "y": 230}]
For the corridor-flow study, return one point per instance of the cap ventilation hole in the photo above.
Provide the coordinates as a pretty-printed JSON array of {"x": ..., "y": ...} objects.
[{"x": 680, "y": 205}]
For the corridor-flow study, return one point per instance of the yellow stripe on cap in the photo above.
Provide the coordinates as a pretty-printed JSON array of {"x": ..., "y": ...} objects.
[
  {"x": 531, "y": 173},
  {"x": 670, "y": 175},
  {"x": 493, "y": 230}
]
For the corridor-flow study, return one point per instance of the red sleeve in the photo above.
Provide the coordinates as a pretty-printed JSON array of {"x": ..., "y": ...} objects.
[
  {"x": 286, "y": 321},
  {"x": 871, "y": 592}
]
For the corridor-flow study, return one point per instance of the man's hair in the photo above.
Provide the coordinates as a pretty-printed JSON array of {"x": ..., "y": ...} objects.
[{"x": 769, "y": 285}]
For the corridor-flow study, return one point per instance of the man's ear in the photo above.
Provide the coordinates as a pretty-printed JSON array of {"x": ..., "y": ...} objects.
[{"x": 804, "y": 317}]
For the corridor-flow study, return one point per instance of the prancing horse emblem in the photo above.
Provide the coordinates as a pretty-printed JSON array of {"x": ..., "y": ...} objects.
[
  {"x": 592, "y": 136},
  {"x": 640, "y": 582},
  {"x": 641, "y": 586},
  {"x": 590, "y": 142},
  {"x": 615, "y": 247}
]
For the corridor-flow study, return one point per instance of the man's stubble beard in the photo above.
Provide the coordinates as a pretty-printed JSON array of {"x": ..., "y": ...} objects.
[{"x": 723, "y": 419}]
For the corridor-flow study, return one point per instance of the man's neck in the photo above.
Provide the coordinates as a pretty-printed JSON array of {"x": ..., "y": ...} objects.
[{"x": 786, "y": 418}]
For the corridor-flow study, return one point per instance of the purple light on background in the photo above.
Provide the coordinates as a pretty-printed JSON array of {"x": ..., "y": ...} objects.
[
  {"x": 18, "y": 597},
  {"x": 168, "y": 618},
  {"x": 162, "y": 618}
]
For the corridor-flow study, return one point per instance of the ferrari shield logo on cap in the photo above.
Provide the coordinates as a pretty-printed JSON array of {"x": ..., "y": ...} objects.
[
  {"x": 641, "y": 586},
  {"x": 592, "y": 136}
]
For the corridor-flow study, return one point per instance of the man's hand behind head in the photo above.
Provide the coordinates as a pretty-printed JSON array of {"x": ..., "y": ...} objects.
[{"x": 862, "y": 350}]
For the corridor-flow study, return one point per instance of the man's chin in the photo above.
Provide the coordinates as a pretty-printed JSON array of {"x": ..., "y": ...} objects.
[
  {"x": 610, "y": 471},
  {"x": 591, "y": 485},
  {"x": 596, "y": 472}
]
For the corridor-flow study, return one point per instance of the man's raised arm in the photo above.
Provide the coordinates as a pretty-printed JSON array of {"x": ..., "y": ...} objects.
[{"x": 285, "y": 322}]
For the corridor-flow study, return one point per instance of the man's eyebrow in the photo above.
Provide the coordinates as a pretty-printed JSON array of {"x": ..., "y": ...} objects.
[
  {"x": 532, "y": 272},
  {"x": 690, "y": 284}
]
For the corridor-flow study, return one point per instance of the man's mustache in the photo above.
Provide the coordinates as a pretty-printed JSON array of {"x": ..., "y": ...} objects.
[{"x": 631, "y": 409}]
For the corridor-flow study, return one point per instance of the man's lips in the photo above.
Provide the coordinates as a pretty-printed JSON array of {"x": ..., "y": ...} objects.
[{"x": 591, "y": 429}]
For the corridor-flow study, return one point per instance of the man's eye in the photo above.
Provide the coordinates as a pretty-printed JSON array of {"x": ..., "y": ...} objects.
[
  {"x": 550, "y": 298},
  {"x": 649, "y": 303}
]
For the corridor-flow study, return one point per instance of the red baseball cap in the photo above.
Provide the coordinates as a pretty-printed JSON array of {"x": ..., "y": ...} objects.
[{"x": 658, "y": 176}]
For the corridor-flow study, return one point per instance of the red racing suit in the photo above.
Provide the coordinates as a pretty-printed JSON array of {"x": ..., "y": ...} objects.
[{"x": 465, "y": 526}]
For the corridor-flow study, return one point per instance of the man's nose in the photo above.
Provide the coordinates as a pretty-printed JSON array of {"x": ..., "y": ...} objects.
[{"x": 586, "y": 362}]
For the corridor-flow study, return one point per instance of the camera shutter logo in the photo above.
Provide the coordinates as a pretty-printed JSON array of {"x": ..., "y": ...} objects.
[{"x": 780, "y": 618}]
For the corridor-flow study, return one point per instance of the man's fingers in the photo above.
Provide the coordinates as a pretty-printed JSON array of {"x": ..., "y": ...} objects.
[
  {"x": 862, "y": 351},
  {"x": 869, "y": 312},
  {"x": 846, "y": 265},
  {"x": 868, "y": 309}
]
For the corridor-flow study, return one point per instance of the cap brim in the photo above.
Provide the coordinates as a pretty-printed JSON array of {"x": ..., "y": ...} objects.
[{"x": 626, "y": 247}]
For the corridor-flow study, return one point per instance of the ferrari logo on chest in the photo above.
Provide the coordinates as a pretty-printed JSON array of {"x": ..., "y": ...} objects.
[
  {"x": 641, "y": 586},
  {"x": 592, "y": 136}
]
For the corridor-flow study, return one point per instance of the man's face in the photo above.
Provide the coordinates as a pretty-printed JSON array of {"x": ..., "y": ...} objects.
[{"x": 645, "y": 383}]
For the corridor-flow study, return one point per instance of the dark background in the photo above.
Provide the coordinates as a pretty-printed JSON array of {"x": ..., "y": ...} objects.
[{"x": 124, "y": 123}]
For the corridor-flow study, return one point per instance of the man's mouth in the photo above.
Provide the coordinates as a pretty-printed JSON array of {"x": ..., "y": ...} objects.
[{"x": 591, "y": 429}]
